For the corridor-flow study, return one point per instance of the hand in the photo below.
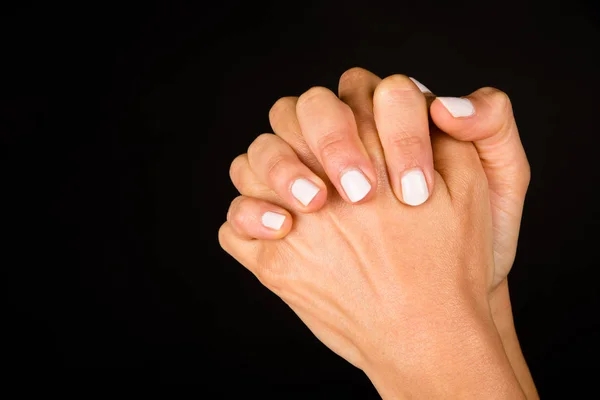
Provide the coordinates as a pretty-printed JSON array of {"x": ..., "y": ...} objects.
[
  {"x": 484, "y": 117},
  {"x": 400, "y": 292}
]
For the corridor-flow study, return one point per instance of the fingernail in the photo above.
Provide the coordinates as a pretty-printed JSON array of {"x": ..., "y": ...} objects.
[
  {"x": 421, "y": 87},
  {"x": 458, "y": 106},
  {"x": 273, "y": 220},
  {"x": 304, "y": 191},
  {"x": 414, "y": 188},
  {"x": 355, "y": 185}
]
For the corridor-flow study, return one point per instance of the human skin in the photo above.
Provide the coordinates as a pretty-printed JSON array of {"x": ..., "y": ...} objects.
[
  {"x": 259, "y": 178},
  {"x": 493, "y": 130}
]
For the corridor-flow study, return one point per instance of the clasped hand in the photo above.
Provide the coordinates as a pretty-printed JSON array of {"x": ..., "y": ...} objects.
[{"x": 389, "y": 237}]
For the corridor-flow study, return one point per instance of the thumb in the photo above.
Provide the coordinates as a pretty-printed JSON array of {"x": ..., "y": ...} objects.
[{"x": 485, "y": 117}]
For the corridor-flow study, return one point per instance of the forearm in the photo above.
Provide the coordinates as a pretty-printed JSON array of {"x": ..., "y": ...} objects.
[{"x": 503, "y": 319}]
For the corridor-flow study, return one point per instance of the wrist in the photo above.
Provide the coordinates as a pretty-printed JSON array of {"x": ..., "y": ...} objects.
[
  {"x": 469, "y": 362},
  {"x": 501, "y": 310}
]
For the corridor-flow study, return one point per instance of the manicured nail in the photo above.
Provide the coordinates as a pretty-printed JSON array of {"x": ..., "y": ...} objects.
[
  {"x": 414, "y": 188},
  {"x": 458, "y": 106},
  {"x": 273, "y": 220},
  {"x": 421, "y": 87},
  {"x": 304, "y": 191},
  {"x": 355, "y": 185}
]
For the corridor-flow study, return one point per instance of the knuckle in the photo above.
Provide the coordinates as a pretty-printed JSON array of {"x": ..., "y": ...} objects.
[
  {"x": 235, "y": 169},
  {"x": 499, "y": 100},
  {"x": 259, "y": 145},
  {"x": 238, "y": 217},
  {"x": 234, "y": 208},
  {"x": 354, "y": 74},
  {"x": 398, "y": 78},
  {"x": 273, "y": 268},
  {"x": 275, "y": 168},
  {"x": 499, "y": 120},
  {"x": 406, "y": 144},
  {"x": 246, "y": 182},
  {"x": 398, "y": 89},
  {"x": 397, "y": 81},
  {"x": 281, "y": 107},
  {"x": 330, "y": 145},
  {"x": 311, "y": 96}
]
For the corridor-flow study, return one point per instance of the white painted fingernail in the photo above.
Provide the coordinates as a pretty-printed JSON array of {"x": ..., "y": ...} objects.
[
  {"x": 458, "y": 106},
  {"x": 414, "y": 188},
  {"x": 273, "y": 220},
  {"x": 304, "y": 191},
  {"x": 355, "y": 185},
  {"x": 421, "y": 87}
]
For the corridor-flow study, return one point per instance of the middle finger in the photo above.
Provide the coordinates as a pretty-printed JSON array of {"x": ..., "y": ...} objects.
[{"x": 329, "y": 127}]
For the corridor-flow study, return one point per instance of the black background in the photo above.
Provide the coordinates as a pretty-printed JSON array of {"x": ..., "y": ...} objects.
[{"x": 119, "y": 126}]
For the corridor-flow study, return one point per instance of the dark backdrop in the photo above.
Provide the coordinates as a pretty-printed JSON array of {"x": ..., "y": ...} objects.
[{"x": 120, "y": 125}]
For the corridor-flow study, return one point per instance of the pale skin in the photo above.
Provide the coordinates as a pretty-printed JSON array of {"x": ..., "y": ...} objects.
[{"x": 404, "y": 278}]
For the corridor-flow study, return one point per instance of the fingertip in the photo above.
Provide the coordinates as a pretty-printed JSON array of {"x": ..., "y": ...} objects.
[
  {"x": 281, "y": 108},
  {"x": 396, "y": 81},
  {"x": 394, "y": 89},
  {"x": 355, "y": 185},
  {"x": 258, "y": 219},
  {"x": 458, "y": 107},
  {"x": 495, "y": 98},
  {"x": 277, "y": 223},
  {"x": 440, "y": 114},
  {"x": 330, "y": 129},
  {"x": 400, "y": 108},
  {"x": 413, "y": 189},
  {"x": 495, "y": 106},
  {"x": 310, "y": 194},
  {"x": 456, "y": 116},
  {"x": 313, "y": 95},
  {"x": 356, "y": 78},
  {"x": 475, "y": 117}
]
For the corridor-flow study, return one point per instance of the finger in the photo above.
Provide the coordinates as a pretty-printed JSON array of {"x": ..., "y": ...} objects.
[
  {"x": 248, "y": 184},
  {"x": 424, "y": 89},
  {"x": 401, "y": 117},
  {"x": 257, "y": 219},
  {"x": 486, "y": 118},
  {"x": 276, "y": 164},
  {"x": 356, "y": 88},
  {"x": 329, "y": 128},
  {"x": 284, "y": 122},
  {"x": 429, "y": 96},
  {"x": 458, "y": 165},
  {"x": 243, "y": 249}
]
